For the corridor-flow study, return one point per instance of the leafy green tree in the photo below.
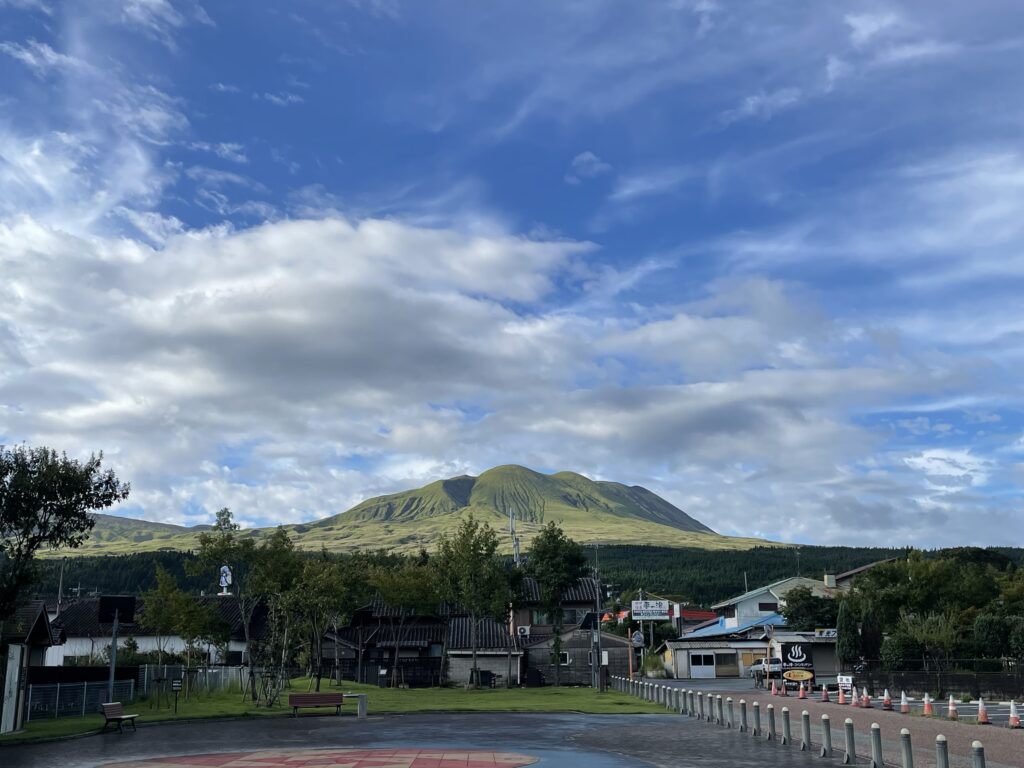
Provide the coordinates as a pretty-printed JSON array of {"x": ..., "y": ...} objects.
[
  {"x": 557, "y": 563},
  {"x": 992, "y": 635},
  {"x": 847, "y": 634},
  {"x": 45, "y": 502},
  {"x": 1017, "y": 638},
  {"x": 938, "y": 634},
  {"x": 473, "y": 578},
  {"x": 408, "y": 591},
  {"x": 162, "y": 607},
  {"x": 224, "y": 545},
  {"x": 804, "y": 611},
  {"x": 870, "y": 634},
  {"x": 897, "y": 648}
]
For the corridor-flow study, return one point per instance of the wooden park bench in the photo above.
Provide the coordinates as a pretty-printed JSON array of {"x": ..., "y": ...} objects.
[
  {"x": 326, "y": 699},
  {"x": 114, "y": 713}
]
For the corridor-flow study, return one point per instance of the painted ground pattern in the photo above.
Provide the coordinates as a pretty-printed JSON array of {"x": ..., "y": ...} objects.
[{"x": 340, "y": 758}]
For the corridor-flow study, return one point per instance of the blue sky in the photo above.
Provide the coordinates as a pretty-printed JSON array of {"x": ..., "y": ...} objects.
[{"x": 765, "y": 259}]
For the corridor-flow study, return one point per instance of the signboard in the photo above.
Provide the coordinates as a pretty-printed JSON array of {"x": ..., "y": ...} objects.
[
  {"x": 845, "y": 683},
  {"x": 175, "y": 685},
  {"x": 827, "y": 634},
  {"x": 796, "y": 656},
  {"x": 638, "y": 639},
  {"x": 796, "y": 675},
  {"x": 651, "y": 610}
]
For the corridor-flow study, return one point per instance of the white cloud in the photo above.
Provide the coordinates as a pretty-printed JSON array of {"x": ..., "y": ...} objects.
[
  {"x": 586, "y": 165},
  {"x": 658, "y": 181},
  {"x": 40, "y": 57},
  {"x": 281, "y": 98},
  {"x": 865, "y": 27},
  {"x": 763, "y": 105},
  {"x": 226, "y": 150}
]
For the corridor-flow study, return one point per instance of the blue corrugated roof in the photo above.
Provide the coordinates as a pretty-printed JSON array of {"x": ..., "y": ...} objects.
[{"x": 720, "y": 629}]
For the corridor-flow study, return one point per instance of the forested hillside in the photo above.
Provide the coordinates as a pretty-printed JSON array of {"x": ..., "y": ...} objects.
[{"x": 692, "y": 575}]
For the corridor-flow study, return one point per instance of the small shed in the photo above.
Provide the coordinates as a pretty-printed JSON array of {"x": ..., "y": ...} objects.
[{"x": 24, "y": 640}]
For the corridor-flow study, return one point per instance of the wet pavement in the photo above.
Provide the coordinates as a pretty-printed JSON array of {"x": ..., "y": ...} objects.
[{"x": 572, "y": 741}]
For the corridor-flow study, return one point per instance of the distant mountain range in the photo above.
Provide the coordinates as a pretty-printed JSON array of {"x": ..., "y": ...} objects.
[{"x": 589, "y": 511}]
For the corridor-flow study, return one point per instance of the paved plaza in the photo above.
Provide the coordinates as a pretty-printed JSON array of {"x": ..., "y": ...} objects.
[{"x": 565, "y": 741}]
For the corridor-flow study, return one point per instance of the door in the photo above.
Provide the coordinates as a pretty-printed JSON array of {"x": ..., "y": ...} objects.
[{"x": 702, "y": 665}]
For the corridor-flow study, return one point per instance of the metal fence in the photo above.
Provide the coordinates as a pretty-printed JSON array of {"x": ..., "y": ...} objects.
[
  {"x": 45, "y": 702},
  {"x": 197, "y": 678}
]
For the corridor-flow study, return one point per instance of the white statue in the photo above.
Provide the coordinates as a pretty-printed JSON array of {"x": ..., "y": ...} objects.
[{"x": 225, "y": 579}]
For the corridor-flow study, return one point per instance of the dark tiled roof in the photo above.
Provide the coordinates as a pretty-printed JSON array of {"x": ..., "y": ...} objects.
[
  {"x": 490, "y": 634},
  {"x": 81, "y": 618},
  {"x": 415, "y": 636},
  {"x": 25, "y": 627},
  {"x": 584, "y": 591}
]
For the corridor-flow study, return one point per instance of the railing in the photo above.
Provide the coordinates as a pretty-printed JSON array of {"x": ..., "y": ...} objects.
[
  {"x": 46, "y": 702},
  {"x": 713, "y": 708},
  {"x": 198, "y": 678}
]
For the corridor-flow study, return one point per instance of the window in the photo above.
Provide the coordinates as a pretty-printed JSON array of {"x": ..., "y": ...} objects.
[
  {"x": 729, "y": 612},
  {"x": 770, "y": 607},
  {"x": 702, "y": 659},
  {"x": 563, "y": 658}
]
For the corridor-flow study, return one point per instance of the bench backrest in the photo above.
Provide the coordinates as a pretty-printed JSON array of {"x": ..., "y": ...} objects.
[
  {"x": 314, "y": 699},
  {"x": 113, "y": 709}
]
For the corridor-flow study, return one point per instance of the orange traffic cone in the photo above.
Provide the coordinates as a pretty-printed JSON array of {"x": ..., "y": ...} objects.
[
  {"x": 887, "y": 701},
  {"x": 928, "y": 709},
  {"x": 803, "y": 693},
  {"x": 982, "y": 713},
  {"x": 1014, "y": 717},
  {"x": 774, "y": 690},
  {"x": 951, "y": 713},
  {"x": 866, "y": 703},
  {"x": 782, "y": 688},
  {"x": 824, "y": 695},
  {"x": 904, "y": 704},
  {"x": 842, "y": 696}
]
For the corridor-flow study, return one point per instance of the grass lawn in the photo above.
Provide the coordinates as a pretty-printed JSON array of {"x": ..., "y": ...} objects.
[{"x": 380, "y": 701}]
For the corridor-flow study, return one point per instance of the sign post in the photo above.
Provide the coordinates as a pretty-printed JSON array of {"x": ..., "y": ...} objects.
[
  {"x": 176, "y": 687},
  {"x": 796, "y": 662}
]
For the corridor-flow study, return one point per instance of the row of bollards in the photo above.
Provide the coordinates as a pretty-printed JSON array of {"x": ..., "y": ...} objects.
[{"x": 713, "y": 708}]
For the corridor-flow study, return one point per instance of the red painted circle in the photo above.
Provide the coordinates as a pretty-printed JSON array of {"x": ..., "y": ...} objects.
[{"x": 340, "y": 758}]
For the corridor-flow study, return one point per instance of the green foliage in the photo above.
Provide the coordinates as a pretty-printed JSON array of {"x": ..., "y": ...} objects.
[
  {"x": 898, "y": 648},
  {"x": 938, "y": 634},
  {"x": 45, "y": 502},
  {"x": 473, "y": 576},
  {"x": 992, "y": 634},
  {"x": 847, "y": 634},
  {"x": 870, "y": 634},
  {"x": 409, "y": 590},
  {"x": 1017, "y": 638},
  {"x": 805, "y": 612},
  {"x": 163, "y": 606},
  {"x": 556, "y": 562}
]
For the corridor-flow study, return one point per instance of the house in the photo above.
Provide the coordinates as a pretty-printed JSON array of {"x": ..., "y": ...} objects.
[
  {"x": 365, "y": 648},
  {"x": 749, "y": 627},
  {"x": 765, "y": 601},
  {"x": 89, "y": 638},
  {"x": 499, "y": 652},
  {"x": 24, "y": 641},
  {"x": 578, "y": 637}
]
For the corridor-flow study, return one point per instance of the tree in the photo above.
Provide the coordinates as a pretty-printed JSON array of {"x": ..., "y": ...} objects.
[
  {"x": 938, "y": 634},
  {"x": 557, "y": 563},
  {"x": 320, "y": 603},
  {"x": 870, "y": 634},
  {"x": 45, "y": 501},
  {"x": 804, "y": 611},
  {"x": 224, "y": 546},
  {"x": 1017, "y": 638},
  {"x": 473, "y": 578},
  {"x": 407, "y": 591},
  {"x": 992, "y": 635},
  {"x": 847, "y": 634},
  {"x": 161, "y": 608}
]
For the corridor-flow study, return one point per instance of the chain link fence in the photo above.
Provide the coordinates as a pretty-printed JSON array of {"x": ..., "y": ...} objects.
[
  {"x": 46, "y": 702},
  {"x": 207, "y": 679}
]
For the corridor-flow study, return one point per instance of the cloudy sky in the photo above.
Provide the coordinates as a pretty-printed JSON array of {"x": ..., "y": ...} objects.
[{"x": 764, "y": 258}]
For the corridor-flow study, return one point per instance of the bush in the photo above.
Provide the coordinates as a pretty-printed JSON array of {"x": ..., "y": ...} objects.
[
  {"x": 897, "y": 648},
  {"x": 1017, "y": 637}
]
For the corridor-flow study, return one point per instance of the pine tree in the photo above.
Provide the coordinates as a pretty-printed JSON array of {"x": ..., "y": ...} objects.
[{"x": 848, "y": 636}]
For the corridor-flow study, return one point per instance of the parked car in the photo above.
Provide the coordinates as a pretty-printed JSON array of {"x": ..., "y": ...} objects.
[{"x": 771, "y": 669}]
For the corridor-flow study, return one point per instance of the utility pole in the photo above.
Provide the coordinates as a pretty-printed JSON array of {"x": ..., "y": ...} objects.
[
  {"x": 598, "y": 677},
  {"x": 113, "y": 658}
]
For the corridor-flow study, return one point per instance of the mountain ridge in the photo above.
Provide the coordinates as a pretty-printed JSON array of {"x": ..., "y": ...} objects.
[{"x": 590, "y": 511}]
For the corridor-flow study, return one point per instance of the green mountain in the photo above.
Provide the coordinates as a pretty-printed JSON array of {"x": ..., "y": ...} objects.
[{"x": 589, "y": 511}]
